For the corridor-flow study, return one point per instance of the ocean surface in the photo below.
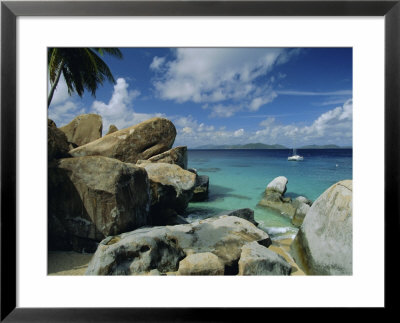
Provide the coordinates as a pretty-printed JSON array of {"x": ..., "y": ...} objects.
[{"x": 239, "y": 177}]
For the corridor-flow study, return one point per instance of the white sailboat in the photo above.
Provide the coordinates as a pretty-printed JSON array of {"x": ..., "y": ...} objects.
[{"x": 295, "y": 157}]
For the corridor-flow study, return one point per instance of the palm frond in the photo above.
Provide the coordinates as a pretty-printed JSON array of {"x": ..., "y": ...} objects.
[
  {"x": 111, "y": 51},
  {"x": 83, "y": 68},
  {"x": 54, "y": 62}
]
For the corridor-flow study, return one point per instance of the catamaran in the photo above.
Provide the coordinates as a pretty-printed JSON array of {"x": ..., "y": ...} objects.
[{"x": 295, "y": 157}]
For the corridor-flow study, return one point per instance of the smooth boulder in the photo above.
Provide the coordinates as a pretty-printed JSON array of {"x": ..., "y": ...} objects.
[
  {"x": 247, "y": 214},
  {"x": 278, "y": 185},
  {"x": 165, "y": 248},
  {"x": 92, "y": 197},
  {"x": 141, "y": 141},
  {"x": 203, "y": 263},
  {"x": 171, "y": 188},
  {"x": 174, "y": 156},
  {"x": 302, "y": 199},
  {"x": 83, "y": 129},
  {"x": 324, "y": 242},
  {"x": 57, "y": 143},
  {"x": 300, "y": 213},
  {"x": 274, "y": 197},
  {"x": 258, "y": 260}
]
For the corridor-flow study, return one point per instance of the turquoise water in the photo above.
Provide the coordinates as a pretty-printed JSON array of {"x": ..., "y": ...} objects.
[{"x": 238, "y": 179}]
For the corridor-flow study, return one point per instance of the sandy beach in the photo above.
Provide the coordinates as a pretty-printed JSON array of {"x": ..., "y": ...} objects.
[{"x": 67, "y": 263}]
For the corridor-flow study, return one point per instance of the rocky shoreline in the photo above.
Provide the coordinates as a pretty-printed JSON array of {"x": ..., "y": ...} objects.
[{"x": 118, "y": 201}]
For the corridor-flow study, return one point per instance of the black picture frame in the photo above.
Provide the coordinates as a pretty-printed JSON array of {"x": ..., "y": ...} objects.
[{"x": 10, "y": 10}]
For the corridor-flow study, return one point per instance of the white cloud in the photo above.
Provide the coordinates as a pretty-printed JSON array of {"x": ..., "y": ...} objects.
[
  {"x": 267, "y": 122},
  {"x": 186, "y": 121},
  {"x": 257, "y": 102},
  {"x": 64, "y": 113},
  {"x": 333, "y": 126},
  {"x": 203, "y": 127},
  {"x": 193, "y": 137},
  {"x": 238, "y": 133},
  {"x": 191, "y": 133},
  {"x": 157, "y": 63},
  {"x": 187, "y": 130},
  {"x": 224, "y": 111},
  {"x": 332, "y": 102},
  {"x": 60, "y": 94},
  {"x": 188, "y": 124},
  {"x": 214, "y": 75},
  {"x": 118, "y": 110},
  {"x": 63, "y": 107},
  {"x": 309, "y": 93}
]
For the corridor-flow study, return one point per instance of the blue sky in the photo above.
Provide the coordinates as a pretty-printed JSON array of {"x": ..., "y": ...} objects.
[{"x": 288, "y": 96}]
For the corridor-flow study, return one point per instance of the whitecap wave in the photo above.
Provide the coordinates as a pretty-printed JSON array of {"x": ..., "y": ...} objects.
[
  {"x": 280, "y": 230},
  {"x": 193, "y": 217}
]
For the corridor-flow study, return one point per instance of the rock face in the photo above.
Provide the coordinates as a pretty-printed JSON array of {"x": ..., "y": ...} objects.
[
  {"x": 93, "y": 197},
  {"x": 141, "y": 141},
  {"x": 200, "y": 192},
  {"x": 277, "y": 185},
  {"x": 203, "y": 263},
  {"x": 57, "y": 144},
  {"x": 247, "y": 214},
  {"x": 171, "y": 188},
  {"x": 302, "y": 199},
  {"x": 324, "y": 242},
  {"x": 211, "y": 246},
  {"x": 175, "y": 156},
  {"x": 274, "y": 199},
  {"x": 83, "y": 129},
  {"x": 258, "y": 260},
  {"x": 112, "y": 129},
  {"x": 135, "y": 253},
  {"x": 300, "y": 213}
]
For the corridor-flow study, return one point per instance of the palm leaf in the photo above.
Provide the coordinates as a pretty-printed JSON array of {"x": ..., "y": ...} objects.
[{"x": 83, "y": 68}]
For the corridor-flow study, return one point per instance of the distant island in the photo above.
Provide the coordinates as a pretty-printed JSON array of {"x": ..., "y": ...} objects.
[
  {"x": 259, "y": 145},
  {"x": 324, "y": 147}
]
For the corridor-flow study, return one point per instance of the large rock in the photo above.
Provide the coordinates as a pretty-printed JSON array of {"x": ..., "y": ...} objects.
[
  {"x": 112, "y": 128},
  {"x": 93, "y": 197},
  {"x": 274, "y": 197},
  {"x": 278, "y": 185},
  {"x": 203, "y": 263},
  {"x": 200, "y": 192},
  {"x": 57, "y": 143},
  {"x": 141, "y": 141},
  {"x": 302, "y": 199},
  {"x": 167, "y": 248},
  {"x": 324, "y": 242},
  {"x": 171, "y": 188},
  {"x": 300, "y": 213},
  {"x": 175, "y": 156},
  {"x": 282, "y": 248},
  {"x": 83, "y": 129},
  {"x": 247, "y": 214},
  {"x": 258, "y": 260},
  {"x": 136, "y": 253}
]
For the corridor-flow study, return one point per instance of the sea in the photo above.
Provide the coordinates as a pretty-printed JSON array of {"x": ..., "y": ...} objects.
[{"x": 238, "y": 178}]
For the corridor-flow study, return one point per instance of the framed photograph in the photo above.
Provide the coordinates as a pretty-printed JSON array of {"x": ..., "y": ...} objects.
[{"x": 263, "y": 107}]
